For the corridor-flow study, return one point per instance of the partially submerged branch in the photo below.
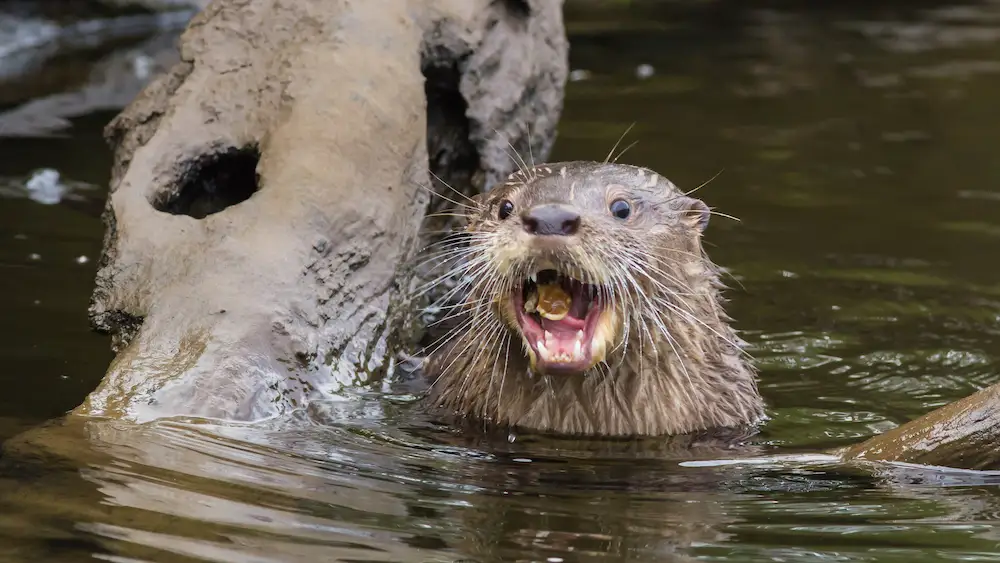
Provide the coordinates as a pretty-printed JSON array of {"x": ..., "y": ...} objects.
[{"x": 964, "y": 434}]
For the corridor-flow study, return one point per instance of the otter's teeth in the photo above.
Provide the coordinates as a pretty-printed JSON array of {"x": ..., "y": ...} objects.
[
  {"x": 534, "y": 277},
  {"x": 577, "y": 350},
  {"x": 543, "y": 352}
]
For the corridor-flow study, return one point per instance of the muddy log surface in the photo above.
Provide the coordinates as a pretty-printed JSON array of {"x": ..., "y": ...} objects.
[{"x": 266, "y": 190}]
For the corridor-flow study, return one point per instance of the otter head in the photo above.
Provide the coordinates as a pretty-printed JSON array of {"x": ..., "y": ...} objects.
[
  {"x": 580, "y": 257},
  {"x": 591, "y": 308}
]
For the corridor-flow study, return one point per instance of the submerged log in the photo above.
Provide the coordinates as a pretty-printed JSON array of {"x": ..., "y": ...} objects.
[
  {"x": 266, "y": 190},
  {"x": 964, "y": 434}
]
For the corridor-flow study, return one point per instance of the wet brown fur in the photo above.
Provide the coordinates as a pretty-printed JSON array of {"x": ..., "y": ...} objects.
[{"x": 674, "y": 375}]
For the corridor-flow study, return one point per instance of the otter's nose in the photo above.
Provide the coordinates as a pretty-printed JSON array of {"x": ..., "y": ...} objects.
[{"x": 551, "y": 219}]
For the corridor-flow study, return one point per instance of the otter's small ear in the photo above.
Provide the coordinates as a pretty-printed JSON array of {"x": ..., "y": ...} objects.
[{"x": 696, "y": 213}]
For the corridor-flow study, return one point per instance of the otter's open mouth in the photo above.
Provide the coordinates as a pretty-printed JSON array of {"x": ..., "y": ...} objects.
[{"x": 559, "y": 317}]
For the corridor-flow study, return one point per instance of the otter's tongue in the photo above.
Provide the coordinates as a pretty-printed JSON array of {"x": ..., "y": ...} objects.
[{"x": 567, "y": 324}]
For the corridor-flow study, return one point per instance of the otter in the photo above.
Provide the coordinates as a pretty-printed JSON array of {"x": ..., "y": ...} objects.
[{"x": 591, "y": 308}]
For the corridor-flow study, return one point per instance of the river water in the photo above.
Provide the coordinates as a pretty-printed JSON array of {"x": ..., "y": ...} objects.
[{"x": 857, "y": 146}]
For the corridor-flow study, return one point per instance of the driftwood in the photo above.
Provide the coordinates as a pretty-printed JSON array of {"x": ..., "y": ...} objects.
[
  {"x": 266, "y": 190},
  {"x": 964, "y": 434}
]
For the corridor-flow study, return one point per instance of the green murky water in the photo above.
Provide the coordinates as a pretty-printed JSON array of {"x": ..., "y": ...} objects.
[{"x": 858, "y": 145}]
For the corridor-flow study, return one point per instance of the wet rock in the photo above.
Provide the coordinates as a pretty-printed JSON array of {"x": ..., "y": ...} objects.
[
  {"x": 285, "y": 124},
  {"x": 28, "y": 36},
  {"x": 18, "y": 33},
  {"x": 59, "y": 61},
  {"x": 47, "y": 47},
  {"x": 111, "y": 84}
]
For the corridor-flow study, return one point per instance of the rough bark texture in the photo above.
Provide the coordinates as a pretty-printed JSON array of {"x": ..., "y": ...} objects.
[
  {"x": 963, "y": 434},
  {"x": 266, "y": 189}
]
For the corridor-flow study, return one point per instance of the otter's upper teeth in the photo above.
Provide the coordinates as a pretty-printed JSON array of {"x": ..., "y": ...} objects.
[{"x": 534, "y": 277}]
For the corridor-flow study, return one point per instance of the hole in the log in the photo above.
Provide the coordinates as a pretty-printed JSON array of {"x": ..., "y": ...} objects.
[
  {"x": 518, "y": 8},
  {"x": 212, "y": 183},
  {"x": 449, "y": 148},
  {"x": 451, "y": 153}
]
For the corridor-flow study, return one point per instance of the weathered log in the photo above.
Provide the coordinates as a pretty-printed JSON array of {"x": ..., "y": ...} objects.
[
  {"x": 266, "y": 190},
  {"x": 964, "y": 434}
]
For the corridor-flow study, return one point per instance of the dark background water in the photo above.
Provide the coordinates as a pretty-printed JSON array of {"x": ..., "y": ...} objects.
[{"x": 856, "y": 142}]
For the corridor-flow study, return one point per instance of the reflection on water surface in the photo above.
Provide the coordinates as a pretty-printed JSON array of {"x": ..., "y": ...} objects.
[{"x": 856, "y": 144}]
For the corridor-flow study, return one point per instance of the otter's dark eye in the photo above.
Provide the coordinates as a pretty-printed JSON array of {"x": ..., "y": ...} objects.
[
  {"x": 506, "y": 208},
  {"x": 620, "y": 208}
]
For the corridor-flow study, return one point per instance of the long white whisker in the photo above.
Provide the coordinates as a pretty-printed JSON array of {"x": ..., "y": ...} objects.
[
  {"x": 475, "y": 204},
  {"x": 618, "y": 142}
]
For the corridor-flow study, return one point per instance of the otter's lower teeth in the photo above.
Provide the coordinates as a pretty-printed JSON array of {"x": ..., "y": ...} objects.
[{"x": 547, "y": 353}]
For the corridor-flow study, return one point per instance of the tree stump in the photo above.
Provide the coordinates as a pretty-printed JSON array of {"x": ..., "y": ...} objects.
[{"x": 267, "y": 190}]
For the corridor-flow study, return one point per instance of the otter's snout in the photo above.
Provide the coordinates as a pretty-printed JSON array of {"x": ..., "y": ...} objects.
[{"x": 551, "y": 219}]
